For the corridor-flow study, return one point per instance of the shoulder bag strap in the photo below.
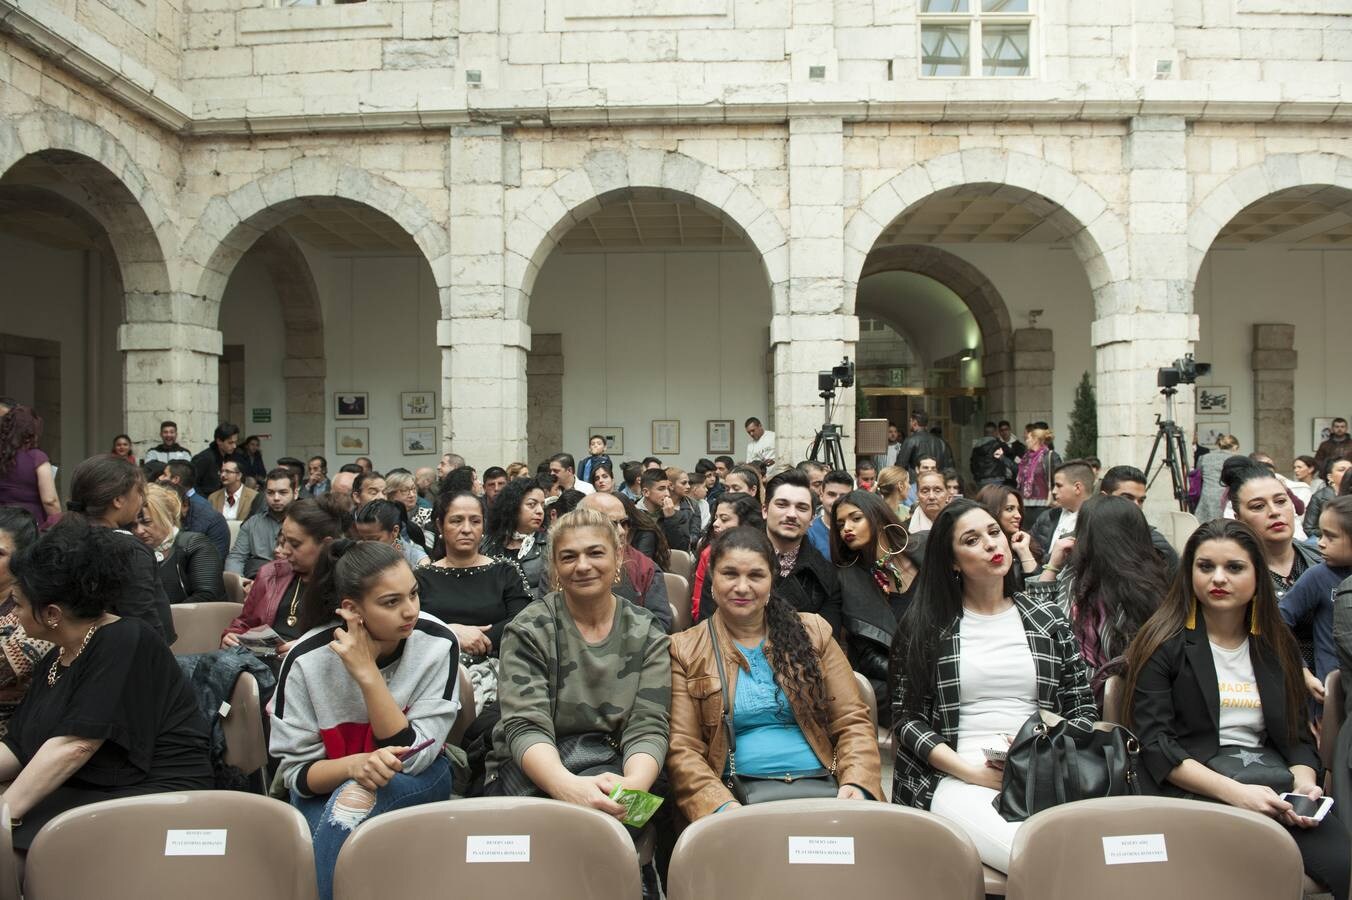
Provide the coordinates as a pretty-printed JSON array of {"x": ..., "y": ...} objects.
[{"x": 723, "y": 682}]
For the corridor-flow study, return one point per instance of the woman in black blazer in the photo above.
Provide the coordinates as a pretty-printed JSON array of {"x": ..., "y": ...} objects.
[
  {"x": 189, "y": 564},
  {"x": 1214, "y": 679}
]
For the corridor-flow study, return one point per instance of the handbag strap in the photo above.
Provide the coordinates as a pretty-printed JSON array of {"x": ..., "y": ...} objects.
[{"x": 723, "y": 683}]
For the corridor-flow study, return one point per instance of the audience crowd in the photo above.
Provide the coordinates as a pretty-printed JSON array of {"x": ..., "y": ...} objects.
[{"x": 713, "y": 636}]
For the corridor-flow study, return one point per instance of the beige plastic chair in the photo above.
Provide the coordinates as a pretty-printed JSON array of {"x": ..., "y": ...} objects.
[
  {"x": 119, "y": 850},
  {"x": 574, "y": 852},
  {"x": 1333, "y": 717},
  {"x": 245, "y": 746},
  {"x": 9, "y": 863},
  {"x": 1180, "y": 526},
  {"x": 867, "y": 694},
  {"x": 234, "y": 587},
  {"x": 997, "y": 884},
  {"x": 467, "y": 715},
  {"x": 899, "y": 853},
  {"x": 199, "y": 625},
  {"x": 1213, "y": 850},
  {"x": 678, "y": 594},
  {"x": 682, "y": 564},
  {"x": 1113, "y": 687}
]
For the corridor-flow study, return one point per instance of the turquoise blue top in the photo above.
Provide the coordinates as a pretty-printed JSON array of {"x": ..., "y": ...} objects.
[{"x": 769, "y": 741}]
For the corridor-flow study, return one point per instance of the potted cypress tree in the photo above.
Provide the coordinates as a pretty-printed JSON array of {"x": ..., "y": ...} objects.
[{"x": 1083, "y": 439}]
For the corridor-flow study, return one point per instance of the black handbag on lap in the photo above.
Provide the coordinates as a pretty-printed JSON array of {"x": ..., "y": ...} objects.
[
  {"x": 1052, "y": 762},
  {"x": 1253, "y": 765},
  {"x": 749, "y": 789}
]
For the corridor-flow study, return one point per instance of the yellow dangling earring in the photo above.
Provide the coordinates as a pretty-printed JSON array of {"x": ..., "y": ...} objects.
[
  {"x": 1191, "y": 622},
  {"x": 1253, "y": 618}
]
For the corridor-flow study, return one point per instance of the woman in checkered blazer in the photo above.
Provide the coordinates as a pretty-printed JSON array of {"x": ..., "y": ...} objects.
[{"x": 973, "y": 659}]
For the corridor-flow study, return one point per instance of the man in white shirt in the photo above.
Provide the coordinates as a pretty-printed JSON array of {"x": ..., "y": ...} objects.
[
  {"x": 564, "y": 469},
  {"x": 233, "y": 500},
  {"x": 1072, "y": 484},
  {"x": 762, "y": 446}
]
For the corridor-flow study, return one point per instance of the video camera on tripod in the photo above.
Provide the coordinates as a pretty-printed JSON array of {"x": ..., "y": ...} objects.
[
  {"x": 1183, "y": 371},
  {"x": 826, "y": 444}
]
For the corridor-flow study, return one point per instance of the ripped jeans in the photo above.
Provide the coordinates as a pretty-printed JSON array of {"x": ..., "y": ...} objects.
[{"x": 332, "y": 818}]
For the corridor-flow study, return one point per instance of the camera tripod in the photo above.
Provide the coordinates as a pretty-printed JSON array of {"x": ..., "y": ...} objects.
[
  {"x": 1175, "y": 459},
  {"x": 826, "y": 446}
]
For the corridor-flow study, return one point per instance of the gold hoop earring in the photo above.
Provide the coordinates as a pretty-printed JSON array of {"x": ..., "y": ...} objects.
[{"x": 905, "y": 540}]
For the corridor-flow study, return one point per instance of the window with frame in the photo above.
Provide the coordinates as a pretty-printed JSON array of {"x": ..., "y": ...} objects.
[{"x": 964, "y": 38}]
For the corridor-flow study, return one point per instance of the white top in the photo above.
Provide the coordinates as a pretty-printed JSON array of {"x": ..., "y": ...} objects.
[
  {"x": 230, "y": 510},
  {"x": 1241, "y": 717},
  {"x": 761, "y": 449},
  {"x": 919, "y": 521},
  {"x": 997, "y": 680},
  {"x": 1065, "y": 525}
]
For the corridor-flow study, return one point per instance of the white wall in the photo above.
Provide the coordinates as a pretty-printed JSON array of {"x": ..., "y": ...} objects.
[
  {"x": 1238, "y": 288},
  {"x": 681, "y": 335},
  {"x": 45, "y": 297},
  {"x": 380, "y": 320},
  {"x": 251, "y": 315}
]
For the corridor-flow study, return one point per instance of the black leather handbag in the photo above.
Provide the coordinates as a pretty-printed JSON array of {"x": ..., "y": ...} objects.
[
  {"x": 1250, "y": 765},
  {"x": 749, "y": 789},
  {"x": 1053, "y": 762}
]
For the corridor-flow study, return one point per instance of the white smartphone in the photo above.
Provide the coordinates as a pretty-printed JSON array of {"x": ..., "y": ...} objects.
[
  {"x": 1310, "y": 809},
  {"x": 994, "y": 755}
]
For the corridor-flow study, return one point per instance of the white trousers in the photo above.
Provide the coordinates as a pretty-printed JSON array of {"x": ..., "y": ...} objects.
[{"x": 969, "y": 806}]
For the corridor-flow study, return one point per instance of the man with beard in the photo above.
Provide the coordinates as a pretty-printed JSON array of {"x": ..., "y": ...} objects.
[{"x": 805, "y": 578}]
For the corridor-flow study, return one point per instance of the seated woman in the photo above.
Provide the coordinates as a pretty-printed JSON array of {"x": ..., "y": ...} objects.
[
  {"x": 795, "y": 706},
  {"x": 386, "y": 522},
  {"x": 618, "y": 683},
  {"x": 646, "y": 535},
  {"x": 402, "y": 488},
  {"x": 972, "y": 661},
  {"x": 932, "y": 495},
  {"x": 513, "y": 530},
  {"x": 365, "y": 700},
  {"x": 603, "y": 478},
  {"x": 878, "y": 563},
  {"x": 1113, "y": 580},
  {"x": 275, "y": 597},
  {"x": 1006, "y": 507},
  {"x": 109, "y": 714},
  {"x": 18, "y": 652},
  {"x": 1215, "y": 694},
  {"x": 476, "y": 595},
  {"x": 189, "y": 563},
  {"x": 729, "y": 511}
]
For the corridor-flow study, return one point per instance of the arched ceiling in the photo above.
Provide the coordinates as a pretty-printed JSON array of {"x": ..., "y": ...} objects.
[{"x": 934, "y": 320}]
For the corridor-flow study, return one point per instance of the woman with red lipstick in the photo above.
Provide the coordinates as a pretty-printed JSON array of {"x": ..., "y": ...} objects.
[
  {"x": 795, "y": 708},
  {"x": 1214, "y": 693},
  {"x": 1006, "y": 507},
  {"x": 878, "y": 563},
  {"x": 371, "y": 678},
  {"x": 973, "y": 659}
]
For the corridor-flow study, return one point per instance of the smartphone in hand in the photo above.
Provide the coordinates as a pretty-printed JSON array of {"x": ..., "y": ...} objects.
[
  {"x": 995, "y": 756},
  {"x": 1307, "y": 808},
  {"x": 415, "y": 750}
]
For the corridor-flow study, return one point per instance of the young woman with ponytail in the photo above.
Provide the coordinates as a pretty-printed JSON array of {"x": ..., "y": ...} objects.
[
  {"x": 366, "y": 697},
  {"x": 795, "y": 706}
]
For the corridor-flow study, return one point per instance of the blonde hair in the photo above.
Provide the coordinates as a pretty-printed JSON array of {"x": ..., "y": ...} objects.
[
  {"x": 579, "y": 518},
  {"x": 399, "y": 481},
  {"x": 163, "y": 506},
  {"x": 892, "y": 479},
  {"x": 1227, "y": 442},
  {"x": 674, "y": 472},
  {"x": 517, "y": 469},
  {"x": 1043, "y": 436}
]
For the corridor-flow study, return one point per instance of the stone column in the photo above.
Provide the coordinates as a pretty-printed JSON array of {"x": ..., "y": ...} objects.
[
  {"x": 815, "y": 333},
  {"x": 171, "y": 373},
  {"x": 1274, "y": 392},
  {"x": 483, "y": 381},
  {"x": 1147, "y": 322},
  {"x": 1032, "y": 363},
  {"x": 305, "y": 405}
]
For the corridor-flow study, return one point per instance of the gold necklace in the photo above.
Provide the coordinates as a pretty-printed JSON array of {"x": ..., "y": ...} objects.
[
  {"x": 55, "y": 671},
  {"x": 295, "y": 599}
]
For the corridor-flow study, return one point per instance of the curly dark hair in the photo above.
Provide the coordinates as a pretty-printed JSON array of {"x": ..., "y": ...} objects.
[
  {"x": 20, "y": 429},
  {"x": 641, "y": 521},
  {"x": 506, "y": 510},
  {"x": 788, "y": 648},
  {"x": 77, "y": 566}
]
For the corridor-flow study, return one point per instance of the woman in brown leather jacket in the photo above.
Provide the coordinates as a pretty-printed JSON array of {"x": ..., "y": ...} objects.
[{"x": 794, "y": 701}]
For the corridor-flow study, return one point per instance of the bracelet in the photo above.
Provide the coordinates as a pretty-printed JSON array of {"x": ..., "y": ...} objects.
[{"x": 1050, "y": 568}]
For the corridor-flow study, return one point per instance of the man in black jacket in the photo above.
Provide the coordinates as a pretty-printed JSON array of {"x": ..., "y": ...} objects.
[
  {"x": 207, "y": 464},
  {"x": 920, "y": 442},
  {"x": 654, "y": 488},
  {"x": 1129, "y": 482},
  {"x": 805, "y": 578}
]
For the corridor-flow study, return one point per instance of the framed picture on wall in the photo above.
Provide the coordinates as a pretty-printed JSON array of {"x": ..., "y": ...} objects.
[
  {"x": 1323, "y": 425},
  {"x": 420, "y": 440},
  {"x": 613, "y": 434},
  {"x": 718, "y": 436},
  {"x": 666, "y": 435},
  {"x": 418, "y": 404},
  {"x": 349, "y": 405},
  {"x": 1213, "y": 400},
  {"x": 352, "y": 441},
  {"x": 1209, "y": 432}
]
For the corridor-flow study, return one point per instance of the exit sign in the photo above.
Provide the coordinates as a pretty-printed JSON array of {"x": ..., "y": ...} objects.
[{"x": 262, "y": 414}]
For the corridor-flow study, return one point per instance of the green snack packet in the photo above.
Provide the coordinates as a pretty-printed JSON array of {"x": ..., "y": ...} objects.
[{"x": 641, "y": 805}]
